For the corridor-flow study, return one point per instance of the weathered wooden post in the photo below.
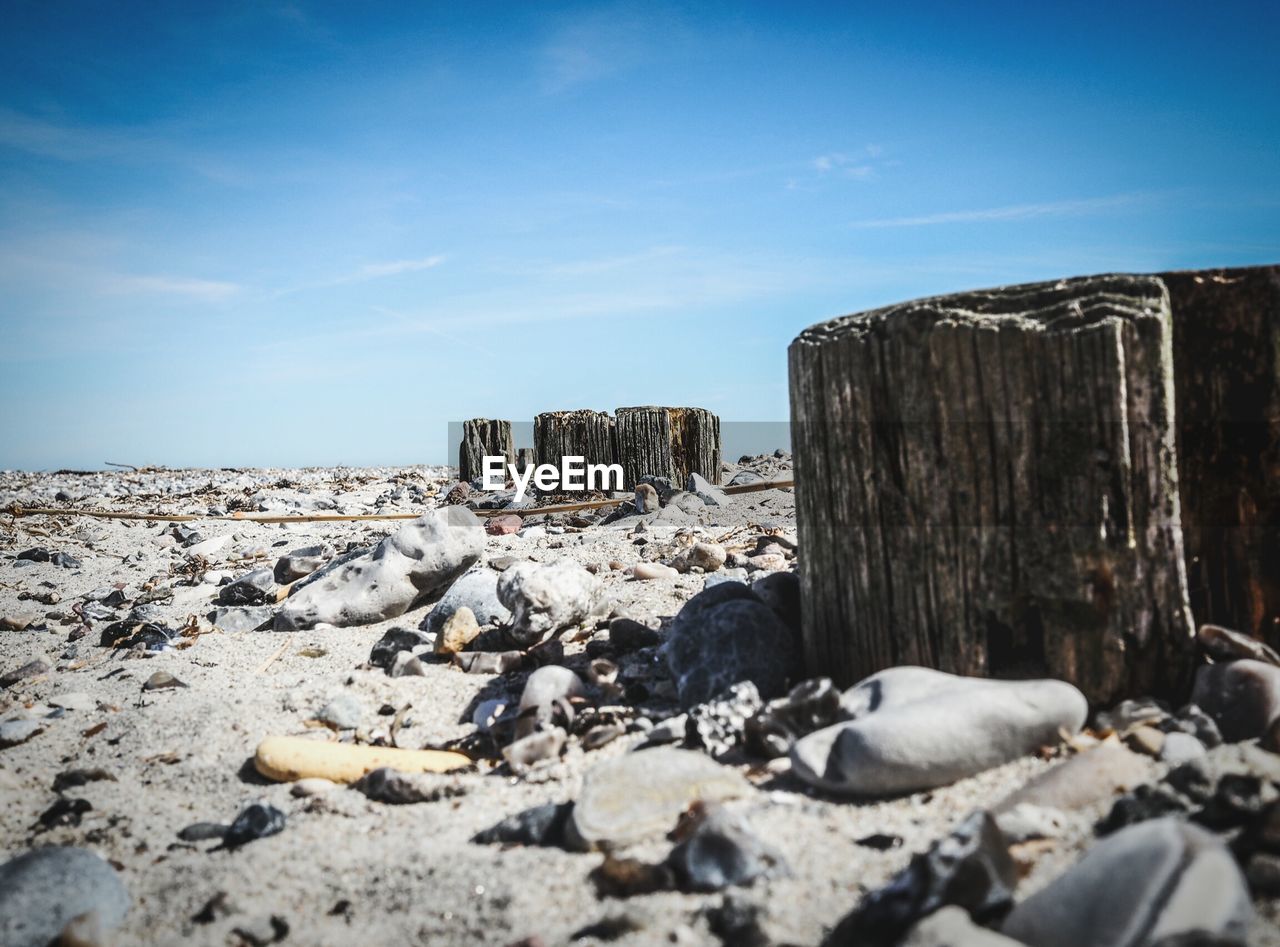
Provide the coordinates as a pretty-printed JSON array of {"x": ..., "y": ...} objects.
[
  {"x": 668, "y": 442},
  {"x": 1226, "y": 361},
  {"x": 987, "y": 483},
  {"x": 481, "y": 437},
  {"x": 583, "y": 433}
]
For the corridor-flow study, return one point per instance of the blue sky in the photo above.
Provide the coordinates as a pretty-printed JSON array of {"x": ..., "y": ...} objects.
[{"x": 313, "y": 233}]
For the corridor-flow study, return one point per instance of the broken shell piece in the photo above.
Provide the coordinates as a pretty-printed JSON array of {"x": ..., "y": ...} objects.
[{"x": 286, "y": 759}]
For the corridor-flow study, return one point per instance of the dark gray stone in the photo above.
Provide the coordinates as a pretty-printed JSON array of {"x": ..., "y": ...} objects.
[
  {"x": 301, "y": 563},
  {"x": 725, "y": 635},
  {"x": 719, "y": 851},
  {"x": 393, "y": 642},
  {"x": 1242, "y": 697},
  {"x": 252, "y": 588}
]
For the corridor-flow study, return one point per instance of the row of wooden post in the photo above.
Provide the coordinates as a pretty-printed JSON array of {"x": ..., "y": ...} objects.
[{"x": 645, "y": 441}]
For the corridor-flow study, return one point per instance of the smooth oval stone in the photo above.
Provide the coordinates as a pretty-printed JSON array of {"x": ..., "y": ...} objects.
[
  {"x": 547, "y": 598},
  {"x": 967, "y": 726},
  {"x": 1082, "y": 781},
  {"x": 652, "y": 570},
  {"x": 459, "y": 631},
  {"x": 418, "y": 560},
  {"x": 1152, "y": 880},
  {"x": 477, "y": 589},
  {"x": 1223, "y": 644},
  {"x": 42, "y": 891},
  {"x": 1242, "y": 697},
  {"x": 640, "y": 795}
]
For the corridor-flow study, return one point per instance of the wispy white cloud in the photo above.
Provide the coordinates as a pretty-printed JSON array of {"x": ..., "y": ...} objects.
[
  {"x": 604, "y": 42},
  {"x": 396, "y": 267},
  {"x": 196, "y": 289},
  {"x": 1072, "y": 208},
  {"x": 860, "y": 165}
]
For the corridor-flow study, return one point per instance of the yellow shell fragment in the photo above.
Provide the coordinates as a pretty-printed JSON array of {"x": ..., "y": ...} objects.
[{"x": 286, "y": 759}]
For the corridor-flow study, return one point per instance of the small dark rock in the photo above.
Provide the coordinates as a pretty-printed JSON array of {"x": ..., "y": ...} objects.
[
  {"x": 627, "y": 634},
  {"x": 74, "y": 778},
  {"x": 1223, "y": 644},
  {"x": 252, "y": 588},
  {"x": 65, "y": 812},
  {"x": 254, "y": 822},
  {"x": 542, "y": 825},
  {"x": 393, "y": 642},
  {"x": 720, "y": 851},
  {"x": 203, "y": 831}
]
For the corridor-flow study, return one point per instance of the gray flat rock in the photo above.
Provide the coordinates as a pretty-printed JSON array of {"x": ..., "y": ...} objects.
[
  {"x": 476, "y": 589},
  {"x": 43, "y": 890}
]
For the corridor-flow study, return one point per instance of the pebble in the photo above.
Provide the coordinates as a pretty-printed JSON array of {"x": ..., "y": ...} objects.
[
  {"x": 1149, "y": 881},
  {"x": 487, "y": 714},
  {"x": 311, "y": 786},
  {"x": 1025, "y": 821},
  {"x": 14, "y": 732},
  {"x": 528, "y": 751},
  {"x": 503, "y": 525},
  {"x": 652, "y": 570},
  {"x": 703, "y": 489},
  {"x": 1242, "y": 697},
  {"x": 343, "y": 712},
  {"x": 1181, "y": 748},
  {"x": 971, "y": 868},
  {"x": 43, "y": 891},
  {"x": 1091, "y": 777},
  {"x": 20, "y": 621},
  {"x": 546, "y": 599},
  {"x": 1145, "y": 739},
  {"x": 959, "y": 727},
  {"x": 477, "y": 589},
  {"x": 395, "y": 640},
  {"x": 422, "y": 557},
  {"x": 33, "y": 668},
  {"x": 459, "y": 631},
  {"x": 639, "y": 795},
  {"x": 810, "y": 705},
  {"x": 238, "y": 618},
  {"x": 254, "y": 822},
  {"x": 646, "y": 499},
  {"x": 541, "y": 825},
  {"x": 208, "y": 548},
  {"x": 161, "y": 680},
  {"x": 300, "y": 563},
  {"x": 719, "y": 850},
  {"x": 768, "y": 562},
  {"x": 395, "y": 788},
  {"x": 705, "y": 556},
  {"x": 252, "y": 588},
  {"x": 724, "y": 635}
]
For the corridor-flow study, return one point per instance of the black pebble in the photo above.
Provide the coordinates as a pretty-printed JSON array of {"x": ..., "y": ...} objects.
[{"x": 254, "y": 822}]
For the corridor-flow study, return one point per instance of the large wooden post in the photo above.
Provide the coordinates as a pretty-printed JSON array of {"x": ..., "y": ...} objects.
[
  {"x": 668, "y": 442},
  {"x": 1226, "y": 358},
  {"x": 986, "y": 483},
  {"x": 481, "y": 437}
]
